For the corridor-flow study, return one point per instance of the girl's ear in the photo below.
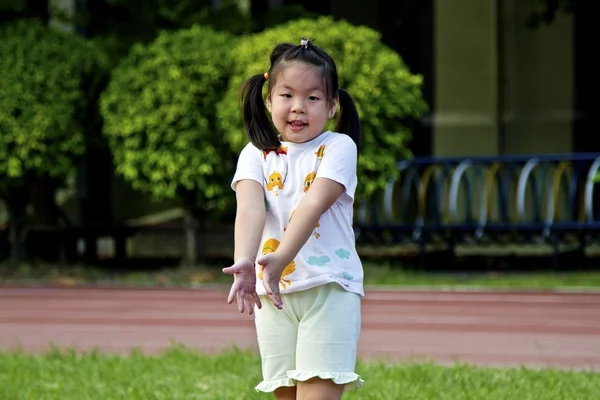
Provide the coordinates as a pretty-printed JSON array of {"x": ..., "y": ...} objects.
[
  {"x": 269, "y": 103},
  {"x": 333, "y": 108}
]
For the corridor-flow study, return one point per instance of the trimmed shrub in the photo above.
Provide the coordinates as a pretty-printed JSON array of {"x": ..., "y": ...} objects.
[
  {"x": 159, "y": 116},
  {"x": 45, "y": 87}
]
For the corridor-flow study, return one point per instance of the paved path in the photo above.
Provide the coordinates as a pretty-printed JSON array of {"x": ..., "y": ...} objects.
[{"x": 561, "y": 330}]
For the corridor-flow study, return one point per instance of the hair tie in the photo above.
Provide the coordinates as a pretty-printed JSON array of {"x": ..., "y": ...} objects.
[
  {"x": 305, "y": 42},
  {"x": 266, "y": 75}
]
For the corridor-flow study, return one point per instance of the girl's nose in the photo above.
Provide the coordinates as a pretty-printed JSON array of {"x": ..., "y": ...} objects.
[{"x": 298, "y": 106}]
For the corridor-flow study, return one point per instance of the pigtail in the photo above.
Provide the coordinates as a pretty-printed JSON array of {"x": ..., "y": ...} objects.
[
  {"x": 257, "y": 122},
  {"x": 348, "y": 122}
]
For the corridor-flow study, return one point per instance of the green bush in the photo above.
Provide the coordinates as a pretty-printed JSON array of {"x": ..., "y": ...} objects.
[
  {"x": 46, "y": 77},
  {"x": 159, "y": 116},
  {"x": 385, "y": 91}
]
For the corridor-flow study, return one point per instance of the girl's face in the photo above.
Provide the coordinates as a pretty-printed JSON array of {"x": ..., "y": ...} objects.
[{"x": 298, "y": 105}]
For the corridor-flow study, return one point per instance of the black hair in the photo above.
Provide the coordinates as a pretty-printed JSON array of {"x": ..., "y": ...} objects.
[{"x": 258, "y": 124}]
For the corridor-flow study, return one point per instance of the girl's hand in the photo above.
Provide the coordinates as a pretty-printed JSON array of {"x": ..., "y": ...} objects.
[
  {"x": 273, "y": 266},
  {"x": 244, "y": 286}
]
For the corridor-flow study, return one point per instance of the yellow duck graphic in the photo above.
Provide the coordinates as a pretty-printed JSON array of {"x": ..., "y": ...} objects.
[
  {"x": 308, "y": 181},
  {"x": 319, "y": 153},
  {"x": 317, "y": 234},
  {"x": 275, "y": 183},
  {"x": 269, "y": 247}
]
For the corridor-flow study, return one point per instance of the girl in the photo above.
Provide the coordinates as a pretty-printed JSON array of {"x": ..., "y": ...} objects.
[{"x": 295, "y": 192}]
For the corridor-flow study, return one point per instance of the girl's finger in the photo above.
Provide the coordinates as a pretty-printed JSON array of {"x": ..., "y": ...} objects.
[
  {"x": 232, "y": 292},
  {"x": 257, "y": 300},
  {"x": 249, "y": 305},
  {"x": 240, "y": 299},
  {"x": 276, "y": 300},
  {"x": 266, "y": 285}
]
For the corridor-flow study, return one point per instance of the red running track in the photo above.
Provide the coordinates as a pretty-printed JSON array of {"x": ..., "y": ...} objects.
[{"x": 502, "y": 329}]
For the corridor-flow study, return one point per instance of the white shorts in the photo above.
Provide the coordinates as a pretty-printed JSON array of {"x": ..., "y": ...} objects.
[{"x": 314, "y": 336}]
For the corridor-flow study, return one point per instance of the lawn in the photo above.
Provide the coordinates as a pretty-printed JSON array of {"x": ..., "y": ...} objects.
[
  {"x": 180, "y": 373},
  {"x": 376, "y": 275}
]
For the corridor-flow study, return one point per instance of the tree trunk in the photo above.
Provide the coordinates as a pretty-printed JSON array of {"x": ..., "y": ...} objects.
[
  {"x": 189, "y": 226},
  {"x": 194, "y": 251},
  {"x": 47, "y": 243},
  {"x": 16, "y": 203}
]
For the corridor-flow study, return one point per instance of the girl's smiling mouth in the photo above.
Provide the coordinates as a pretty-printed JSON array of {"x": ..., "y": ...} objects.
[{"x": 297, "y": 125}]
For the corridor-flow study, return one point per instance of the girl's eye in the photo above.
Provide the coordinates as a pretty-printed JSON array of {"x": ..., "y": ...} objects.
[
  {"x": 286, "y": 95},
  {"x": 313, "y": 98}
]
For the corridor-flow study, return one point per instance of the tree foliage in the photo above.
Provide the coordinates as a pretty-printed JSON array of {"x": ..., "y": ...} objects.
[
  {"x": 387, "y": 94},
  {"x": 159, "y": 115},
  {"x": 45, "y": 86}
]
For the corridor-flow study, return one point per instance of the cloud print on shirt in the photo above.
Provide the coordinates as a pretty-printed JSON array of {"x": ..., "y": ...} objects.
[
  {"x": 318, "y": 261},
  {"x": 343, "y": 253}
]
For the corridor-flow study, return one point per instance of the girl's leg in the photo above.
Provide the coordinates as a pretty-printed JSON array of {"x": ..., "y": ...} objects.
[
  {"x": 327, "y": 342},
  {"x": 285, "y": 393},
  {"x": 319, "y": 389}
]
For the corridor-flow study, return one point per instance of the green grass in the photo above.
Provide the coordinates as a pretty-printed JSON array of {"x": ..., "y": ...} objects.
[
  {"x": 376, "y": 274},
  {"x": 387, "y": 276},
  {"x": 183, "y": 374}
]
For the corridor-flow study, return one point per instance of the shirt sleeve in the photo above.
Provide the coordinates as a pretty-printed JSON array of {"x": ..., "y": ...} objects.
[
  {"x": 248, "y": 166},
  {"x": 339, "y": 163}
]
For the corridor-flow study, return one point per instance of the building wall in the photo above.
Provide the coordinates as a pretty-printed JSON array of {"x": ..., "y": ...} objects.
[
  {"x": 500, "y": 87},
  {"x": 538, "y": 88},
  {"x": 466, "y": 70}
]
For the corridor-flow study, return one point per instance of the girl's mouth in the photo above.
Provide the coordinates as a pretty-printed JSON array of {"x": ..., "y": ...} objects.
[{"x": 297, "y": 125}]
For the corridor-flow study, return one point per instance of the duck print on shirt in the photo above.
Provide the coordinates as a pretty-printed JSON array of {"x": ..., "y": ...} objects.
[
  {"x": 320, "y": 153},
  {"x": 308, "y": 181},
  {"x": 275, "y": 183}
]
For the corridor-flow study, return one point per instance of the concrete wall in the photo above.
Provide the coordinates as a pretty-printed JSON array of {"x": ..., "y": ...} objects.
[
  {"x": 500, "y": 87},
  {"x": 538, "y": 87},
  {"x": 466, "y": 70}
]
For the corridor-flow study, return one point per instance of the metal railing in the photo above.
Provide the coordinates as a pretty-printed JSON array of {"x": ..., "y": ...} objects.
[{"x": 533, "y": 197}]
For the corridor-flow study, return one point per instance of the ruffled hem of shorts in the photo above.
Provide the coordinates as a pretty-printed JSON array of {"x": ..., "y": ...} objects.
[
  {"x": 271, "y": 386},
  {"x": 351, "y": 380}
]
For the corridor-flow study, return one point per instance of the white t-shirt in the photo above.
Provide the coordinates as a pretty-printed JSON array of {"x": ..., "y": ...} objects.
[{"x": 330, "y": 254}]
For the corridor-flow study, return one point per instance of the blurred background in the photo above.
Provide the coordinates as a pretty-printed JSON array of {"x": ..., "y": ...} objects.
[{"x": 120, "y": 127}]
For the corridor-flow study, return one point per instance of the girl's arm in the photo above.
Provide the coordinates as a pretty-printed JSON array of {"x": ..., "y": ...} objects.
[
  {"x": 249, "y": 223},
  {"x": 322, "y": 195},
  {"x": 249, "y": 220}
]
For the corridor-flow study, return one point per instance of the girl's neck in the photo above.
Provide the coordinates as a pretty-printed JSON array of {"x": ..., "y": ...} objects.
[{"x": 307, "y": 143}]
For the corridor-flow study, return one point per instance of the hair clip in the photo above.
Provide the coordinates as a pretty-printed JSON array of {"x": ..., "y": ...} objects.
[
  {"x": 304, "y": 42},
  {"x": 266, "y": 75}
]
